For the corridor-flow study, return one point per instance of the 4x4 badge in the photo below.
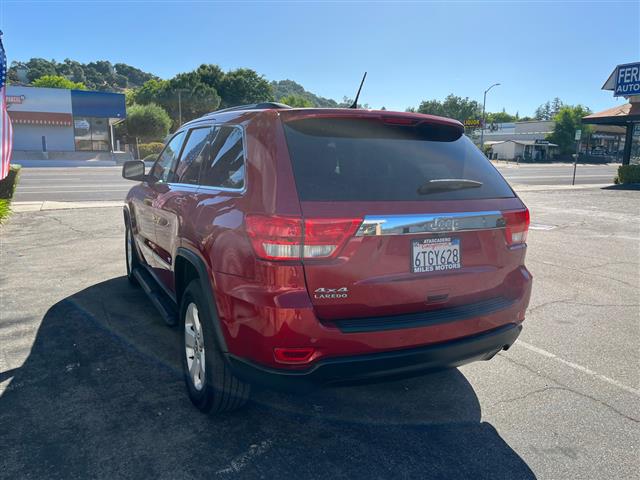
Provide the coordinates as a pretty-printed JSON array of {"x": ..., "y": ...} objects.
[{"x": 342, "y": 292}]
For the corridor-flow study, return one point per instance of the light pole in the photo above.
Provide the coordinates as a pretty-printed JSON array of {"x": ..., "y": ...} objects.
[{"x": 484, "y": 102}]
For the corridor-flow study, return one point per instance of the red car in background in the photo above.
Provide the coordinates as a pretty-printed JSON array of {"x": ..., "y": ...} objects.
[{"x": 301, "y": 247}]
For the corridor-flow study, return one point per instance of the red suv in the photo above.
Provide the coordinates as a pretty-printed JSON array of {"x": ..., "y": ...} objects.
[{"x": 297, "y": 247}]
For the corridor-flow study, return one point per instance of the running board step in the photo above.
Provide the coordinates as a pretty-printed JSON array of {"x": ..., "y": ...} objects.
[{"x": 163, "y": 304}]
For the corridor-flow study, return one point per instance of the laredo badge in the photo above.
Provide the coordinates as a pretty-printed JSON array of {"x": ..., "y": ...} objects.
[{"x": 342, "y": 292}]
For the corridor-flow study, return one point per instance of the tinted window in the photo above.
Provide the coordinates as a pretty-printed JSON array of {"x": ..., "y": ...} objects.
[
  {"x": 167, "y": 158},
  {"x": 225, "y": 167},
  {"x": 368, "y": 160},
  {"x": 196, "y": 148}
]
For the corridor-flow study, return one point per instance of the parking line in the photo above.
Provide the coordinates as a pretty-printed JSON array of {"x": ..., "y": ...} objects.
[{"x": 580, "y": 368}]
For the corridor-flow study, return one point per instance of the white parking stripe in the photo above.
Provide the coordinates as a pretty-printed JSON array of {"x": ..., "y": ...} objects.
[{"x": 580, "y": 368}]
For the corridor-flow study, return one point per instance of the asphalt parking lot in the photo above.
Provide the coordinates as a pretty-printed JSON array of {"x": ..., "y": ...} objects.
[{"x": 90, "y": 383}]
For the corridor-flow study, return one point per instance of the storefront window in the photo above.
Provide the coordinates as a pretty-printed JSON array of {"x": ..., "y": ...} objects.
[
  {"x": 635, "y": 145},
  {"x": 91, "y": 133}
]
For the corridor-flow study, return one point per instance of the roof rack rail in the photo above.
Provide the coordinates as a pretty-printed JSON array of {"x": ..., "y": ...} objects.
[{"x": 251, "y": 106}]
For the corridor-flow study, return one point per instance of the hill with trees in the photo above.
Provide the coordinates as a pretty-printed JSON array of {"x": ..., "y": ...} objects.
[
  {"x": 101, "y": 75},
  {"x": 289, "y": 88}
]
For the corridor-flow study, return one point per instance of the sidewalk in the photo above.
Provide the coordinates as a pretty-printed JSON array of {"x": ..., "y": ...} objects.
[{"x": 20, "y": 207}]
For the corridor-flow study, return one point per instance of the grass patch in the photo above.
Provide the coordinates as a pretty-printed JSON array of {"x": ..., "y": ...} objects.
[{"x": 5, "y": 210}]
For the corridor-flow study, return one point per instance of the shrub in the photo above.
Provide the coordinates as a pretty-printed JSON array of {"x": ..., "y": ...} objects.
[
  {"x": 148, "y": 122},
  {"x": 629, "y": 173},
  {"x": 153, "y": 148},
  {"x": 150, "y": 158},
  {"x": 9, "y": 184}
]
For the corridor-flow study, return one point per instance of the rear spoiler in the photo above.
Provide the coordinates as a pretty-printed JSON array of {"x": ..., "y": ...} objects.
[{"x": 403, "y": 124}]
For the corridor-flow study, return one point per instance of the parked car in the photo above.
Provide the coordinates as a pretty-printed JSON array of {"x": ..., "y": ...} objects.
[{"x": 305, "y": 247}]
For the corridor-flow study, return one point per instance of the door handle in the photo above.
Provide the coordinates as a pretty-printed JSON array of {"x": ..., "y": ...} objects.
[{"x": 147, "y": 202}]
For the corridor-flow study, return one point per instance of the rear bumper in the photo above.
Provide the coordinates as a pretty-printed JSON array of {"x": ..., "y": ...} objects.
[{"x": 365, "y": 367}]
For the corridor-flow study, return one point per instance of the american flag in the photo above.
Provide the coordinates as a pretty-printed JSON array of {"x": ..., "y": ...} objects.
[{"x": 6, "y": 130}]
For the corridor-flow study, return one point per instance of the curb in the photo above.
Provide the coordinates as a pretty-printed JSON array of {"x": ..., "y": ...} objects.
[
  {"x": 534, "y": 188},
  {"x": 21, "y": 207}
]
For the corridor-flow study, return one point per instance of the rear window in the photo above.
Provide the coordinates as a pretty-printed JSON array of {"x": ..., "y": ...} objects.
[{"x": 345, "y": 159}]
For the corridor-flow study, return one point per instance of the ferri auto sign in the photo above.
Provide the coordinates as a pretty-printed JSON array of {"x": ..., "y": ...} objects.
[{"x": 624, "y": 80}]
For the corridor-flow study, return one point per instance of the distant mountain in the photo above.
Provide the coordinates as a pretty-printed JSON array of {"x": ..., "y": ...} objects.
[{"x": 285, "y": 88}]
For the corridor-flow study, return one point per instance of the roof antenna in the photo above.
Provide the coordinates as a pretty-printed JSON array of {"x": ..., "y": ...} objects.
[{"x": 355, "y": 102}]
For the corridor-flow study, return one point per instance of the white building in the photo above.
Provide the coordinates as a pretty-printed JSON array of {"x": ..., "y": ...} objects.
[{"x": 535, "y": 150}]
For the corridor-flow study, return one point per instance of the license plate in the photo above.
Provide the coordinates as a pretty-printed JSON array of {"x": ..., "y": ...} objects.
[{"x": 435, "y": 255}]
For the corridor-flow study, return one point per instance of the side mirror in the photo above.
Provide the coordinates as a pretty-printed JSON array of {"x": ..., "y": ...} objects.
[{"x": 134, "y": 170}]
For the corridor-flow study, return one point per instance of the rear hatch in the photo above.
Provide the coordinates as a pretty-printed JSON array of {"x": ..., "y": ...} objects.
[{"x": 401, "y": 214}]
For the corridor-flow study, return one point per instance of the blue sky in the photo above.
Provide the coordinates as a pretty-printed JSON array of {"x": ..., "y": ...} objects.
[{"x": 412, "y": 50}]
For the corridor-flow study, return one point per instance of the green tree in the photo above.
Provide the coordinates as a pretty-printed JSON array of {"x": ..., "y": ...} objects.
[
  {"x": 244, "y": 86},
  {"x": 135, "y": 77},
  {"x": 296, "y": 101},
  {"x": 347, "y": 102},
  {"x": 99, "y": 75},
  {"x": 197, "y": 97},
  {"x": 211, "y": 75},
  {"x": 453, "y": 107},
  {"x": 39, "y": 67},
  {"x": 72, "y": 70},
  {"x": 501, "y": 117},
  {"x": 567, "y": 121},
  {"x": 147, "y": 122},
  {"x": 56, "y": 81},
  {"x": 549, "y": 109}
]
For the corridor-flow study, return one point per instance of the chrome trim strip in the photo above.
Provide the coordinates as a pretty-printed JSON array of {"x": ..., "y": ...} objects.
[{"x": 377, "y": 225}]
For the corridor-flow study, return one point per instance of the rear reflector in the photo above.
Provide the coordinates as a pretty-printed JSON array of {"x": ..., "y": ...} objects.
[
  {"x": 517, "y": 226},
  {"x": 293, "y": 355},
  {"x": 290, "y": 238}
]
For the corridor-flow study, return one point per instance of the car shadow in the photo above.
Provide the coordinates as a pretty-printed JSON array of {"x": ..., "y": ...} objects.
[{"x": 101, "y": 395}]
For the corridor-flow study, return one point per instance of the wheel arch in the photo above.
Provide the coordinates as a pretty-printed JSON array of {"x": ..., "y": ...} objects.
[
  {"x": 189, "y": 266},
  {"x": 126, "y": 213}
]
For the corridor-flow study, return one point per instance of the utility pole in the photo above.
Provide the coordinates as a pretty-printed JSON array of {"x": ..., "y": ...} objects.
[
  {"x": 180, "y": 90},
  {"x": 484, "y": 102}
]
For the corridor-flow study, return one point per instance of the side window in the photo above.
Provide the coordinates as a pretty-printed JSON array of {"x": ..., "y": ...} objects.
[
  {"x": 196, "y": 149},
  {"x": 167, "y": 158},
  {"x": 225, "y": 166}
]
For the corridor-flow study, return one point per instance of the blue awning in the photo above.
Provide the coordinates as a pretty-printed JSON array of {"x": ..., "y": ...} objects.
[{"x": 86, "y": 103}]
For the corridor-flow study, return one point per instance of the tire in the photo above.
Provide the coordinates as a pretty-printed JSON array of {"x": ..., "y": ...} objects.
[
  {"x": 216, "y": 390},
  {"x": 130, "y": 254}
]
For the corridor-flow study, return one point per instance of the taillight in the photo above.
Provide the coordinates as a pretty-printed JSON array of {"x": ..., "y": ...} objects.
[
  {"x": 517, "y": 226},
  {"x": 290, "y": 238}
]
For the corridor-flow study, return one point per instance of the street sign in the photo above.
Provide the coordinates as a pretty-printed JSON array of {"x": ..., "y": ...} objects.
[{"x": 578, "y": 135}]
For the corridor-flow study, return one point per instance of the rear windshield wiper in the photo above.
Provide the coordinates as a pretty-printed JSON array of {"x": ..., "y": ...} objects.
[{"x": 447, "y": 184}]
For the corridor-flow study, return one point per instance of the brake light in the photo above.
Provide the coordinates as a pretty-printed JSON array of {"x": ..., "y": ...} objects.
[
  {"x": 517, "y": 226},
  {"x": 290, "y": 238},
  {"x": 399, "y": 120}
]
